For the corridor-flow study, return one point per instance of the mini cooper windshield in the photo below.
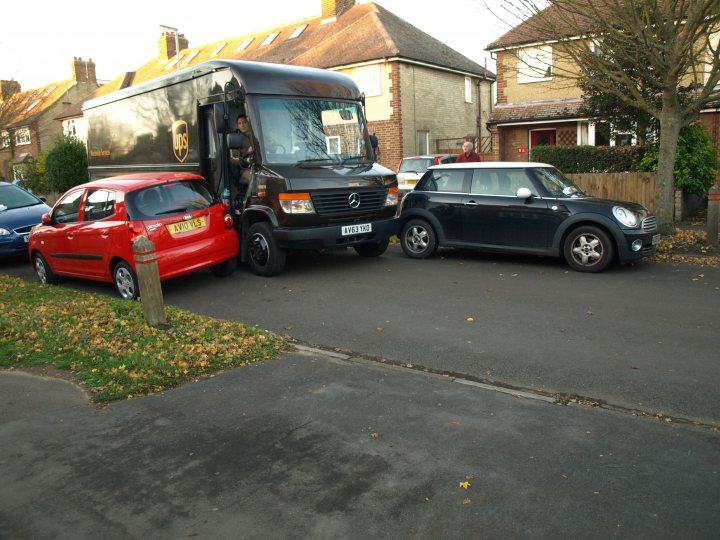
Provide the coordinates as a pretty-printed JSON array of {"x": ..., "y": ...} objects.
[
  {"x": 312, "y": 132},
  {"x": 557, "y": 184}
]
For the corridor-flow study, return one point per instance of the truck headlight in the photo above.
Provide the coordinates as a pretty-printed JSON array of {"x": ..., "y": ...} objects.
[
  {"x": 625, "y": 216},
  {"x": 392, "y": 197},
  {"x": 296, "y": 203}
]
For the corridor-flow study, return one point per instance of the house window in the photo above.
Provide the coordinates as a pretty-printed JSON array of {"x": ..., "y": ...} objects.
[
  {"x": 270, "y": 38},
  {"x": 602, "y": 134},
  {"x": 535, "y": 64},
  {"x": 219, "y": 48},
  {"x": 190, "y": 57},
  {"x": 22, "y": 136},
  {"x": 542, "y": 137},
  {"x": 244, "y": 45},
  {"x": 468, "y": 90},
  {"x": 4, "y": 139},
  {"x": 296, "y": 33},
  {"x": 368, "y": 79},
  {"x": 69, "y": 129},
  {"x": 423, "y": 142},
  {"x": 333, "y": 145}
]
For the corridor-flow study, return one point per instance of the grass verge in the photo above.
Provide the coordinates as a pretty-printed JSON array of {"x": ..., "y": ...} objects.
[{"x": 106, "y": 343}]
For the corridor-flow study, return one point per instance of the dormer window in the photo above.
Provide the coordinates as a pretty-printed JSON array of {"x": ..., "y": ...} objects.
[
  {"x": 535, "y": 64},
  {"x": 270, "y": 38},
  {"x": 244, "y": 45},
  {"x": 296, "y": 33},
  {"x": 220, "y": 48}
]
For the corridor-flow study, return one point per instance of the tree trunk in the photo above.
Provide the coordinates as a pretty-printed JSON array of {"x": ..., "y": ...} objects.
[{"x": 665, "y": 194}]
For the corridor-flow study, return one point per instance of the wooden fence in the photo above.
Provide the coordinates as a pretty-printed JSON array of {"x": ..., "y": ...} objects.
[{"x": 625, "y": 186}]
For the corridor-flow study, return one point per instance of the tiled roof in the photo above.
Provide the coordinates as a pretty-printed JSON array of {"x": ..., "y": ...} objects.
[
  {"x": 534, "y": 111},
  {"x": 545, "y": 25},
  {"x": 23, "y": 106},
  {"x": 363, "y": 33}
]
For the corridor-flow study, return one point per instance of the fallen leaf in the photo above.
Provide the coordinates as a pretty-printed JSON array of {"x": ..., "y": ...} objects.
[
  {"x": 466, "y": 501},
  {"x": 464, "y": 485},
  {"x": 470, "y": 319},
  {"x": 375, "y": 435}
]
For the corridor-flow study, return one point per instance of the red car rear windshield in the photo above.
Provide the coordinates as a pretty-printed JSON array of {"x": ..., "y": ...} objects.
[{"x": 165, "y": 200}]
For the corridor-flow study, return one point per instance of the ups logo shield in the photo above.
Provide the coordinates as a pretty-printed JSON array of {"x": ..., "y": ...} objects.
[{"x": 180, "y": 140}]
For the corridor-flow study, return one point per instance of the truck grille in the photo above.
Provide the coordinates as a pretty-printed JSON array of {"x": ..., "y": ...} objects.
[
  {"x": 649, "y": 223},
  {"x": 338, "y": 203}
]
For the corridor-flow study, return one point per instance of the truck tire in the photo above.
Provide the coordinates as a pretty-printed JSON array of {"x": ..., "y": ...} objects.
[
  {"x": 265, "y": 256},
  {"x": 374, "y": 249},
  {"x": 588, "y": 249}
]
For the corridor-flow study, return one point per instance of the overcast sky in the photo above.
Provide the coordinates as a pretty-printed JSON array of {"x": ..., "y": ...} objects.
[{"x": 39, "y": 40}]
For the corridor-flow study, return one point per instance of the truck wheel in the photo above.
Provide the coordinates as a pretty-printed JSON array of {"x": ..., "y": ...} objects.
[
  {"x": 374, "y": 249},
  {"x": 224, "y": 268},
  {"x": 43, "y": 270},
  {"x": 265, "y": 256},
  {"x": 588, "y": 249},
  {"x": 418, "y": 239},
  {"x": 126, "y": 281}
]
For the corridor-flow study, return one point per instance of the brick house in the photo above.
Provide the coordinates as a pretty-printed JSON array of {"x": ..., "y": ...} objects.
[
  {"x": 534, "y": 107},
  {"x": 28, "y": 119},
  {"x": 421, "y": 95}
]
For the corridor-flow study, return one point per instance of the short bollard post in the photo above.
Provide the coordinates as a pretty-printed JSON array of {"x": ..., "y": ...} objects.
[
  {"x": 149, "y": 282},
  {"x": 713, "y": 215}
]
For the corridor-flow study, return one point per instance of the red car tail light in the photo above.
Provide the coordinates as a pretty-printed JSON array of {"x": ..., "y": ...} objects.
[
  {"x": 436, "y": 161},
  {"x": 398, "y": 167}
]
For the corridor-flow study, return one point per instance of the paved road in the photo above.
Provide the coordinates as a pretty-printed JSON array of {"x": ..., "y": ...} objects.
[
  {"x": 308, "y": 447},
  {"x": 640, "y": 337}
]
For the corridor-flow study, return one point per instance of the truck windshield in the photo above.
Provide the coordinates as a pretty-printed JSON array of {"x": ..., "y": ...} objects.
[{"x": 303, "y": 131}]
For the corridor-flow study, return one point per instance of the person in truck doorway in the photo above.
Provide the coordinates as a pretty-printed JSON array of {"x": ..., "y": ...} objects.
[
  {"x": 241, "y": 158},
  {"x": 467, "y": 155}
]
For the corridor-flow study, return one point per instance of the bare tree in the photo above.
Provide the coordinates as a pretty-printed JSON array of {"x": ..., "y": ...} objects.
[{"x": 673, "y": 45}]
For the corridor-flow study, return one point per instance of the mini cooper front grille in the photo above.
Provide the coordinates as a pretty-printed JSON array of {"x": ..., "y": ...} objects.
[
  {"x": 339, "y": 203},
  {"x": 649, "y": 223}
]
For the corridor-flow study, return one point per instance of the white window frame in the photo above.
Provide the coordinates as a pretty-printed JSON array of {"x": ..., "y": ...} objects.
[
  {"x": 271, "y": 37},
  {"x": 296, "y": 33},
  {"x": 368, "y": 80},
  {"x": 332, "y": 141},
  {"x": 535, "y": 64},
  {"x": 4, "y": 138},
  {"x": 426, "y": 142},
  {"x": 468, "y": 90},
  {"x": 22, "y": 136}
]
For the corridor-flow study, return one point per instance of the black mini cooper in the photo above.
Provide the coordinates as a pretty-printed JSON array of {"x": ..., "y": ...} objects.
[{"x": 528, "y": 208}]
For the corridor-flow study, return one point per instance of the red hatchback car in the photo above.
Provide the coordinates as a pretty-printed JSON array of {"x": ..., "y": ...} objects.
[{"x": 90, "y": 231}]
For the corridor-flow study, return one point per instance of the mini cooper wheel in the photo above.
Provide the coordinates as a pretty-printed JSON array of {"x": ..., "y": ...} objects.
[
  {"x": 265, "y": 256},
  {"x": 126, "y": 281},
  {"x": 588, "y": 249},
  {"x": 418, "y": 239},
  {"x": 43, "y": 270}
]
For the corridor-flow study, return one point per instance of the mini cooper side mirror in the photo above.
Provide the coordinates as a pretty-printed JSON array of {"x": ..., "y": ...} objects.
[
  {"x": 45, "y": 219},
  {"x": 524, "y": 193}
]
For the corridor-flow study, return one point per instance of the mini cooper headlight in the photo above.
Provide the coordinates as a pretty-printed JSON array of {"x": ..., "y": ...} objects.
[
  {"x": 4, "y": 232},
  {"x": 625, "y": 216}
]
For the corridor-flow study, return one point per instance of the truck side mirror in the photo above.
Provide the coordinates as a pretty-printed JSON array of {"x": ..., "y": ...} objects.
[
  {"x": 234, "y": 140},
  {"x": 374, "y": 141}
]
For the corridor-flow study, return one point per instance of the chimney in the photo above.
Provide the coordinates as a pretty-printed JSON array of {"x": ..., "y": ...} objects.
[
  {"x": 84, "y": 70},
  {"x": 331, "y": 9},
  {"x": 8, "y": 88},
  {"x": 166, "y": 44}
]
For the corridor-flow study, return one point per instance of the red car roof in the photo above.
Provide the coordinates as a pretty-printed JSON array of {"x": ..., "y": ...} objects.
[{"x": 131, "y": 182}]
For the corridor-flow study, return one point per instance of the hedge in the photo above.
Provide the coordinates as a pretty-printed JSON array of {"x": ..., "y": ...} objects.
[{"x": 589, "y": 159}]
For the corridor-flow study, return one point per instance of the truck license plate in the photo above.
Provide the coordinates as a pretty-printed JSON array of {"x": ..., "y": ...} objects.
[{"x": 350, "y": 230}]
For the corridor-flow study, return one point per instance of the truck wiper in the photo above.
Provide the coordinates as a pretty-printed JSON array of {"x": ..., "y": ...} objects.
[
  {"x": 360, "y": 158},
  {"x": 315, "y": 160}
]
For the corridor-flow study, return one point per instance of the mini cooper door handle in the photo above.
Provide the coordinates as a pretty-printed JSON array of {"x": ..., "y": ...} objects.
[{"x": 471, "y": 203}]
